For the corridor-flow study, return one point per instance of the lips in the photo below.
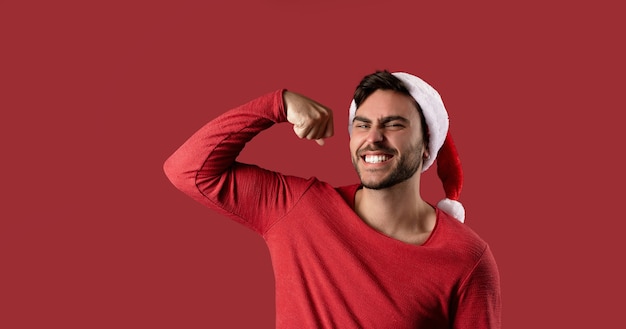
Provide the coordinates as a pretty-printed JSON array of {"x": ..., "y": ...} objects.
[
  {"x": 375, "y": 155},
  {"x": 376, "y": 158}
]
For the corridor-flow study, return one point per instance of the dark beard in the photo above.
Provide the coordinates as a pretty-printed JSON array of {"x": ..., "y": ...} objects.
[{"x": 405, "y": 169}]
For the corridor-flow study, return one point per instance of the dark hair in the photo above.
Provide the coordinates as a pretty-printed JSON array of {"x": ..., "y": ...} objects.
[{"x": 386, "y": 81}]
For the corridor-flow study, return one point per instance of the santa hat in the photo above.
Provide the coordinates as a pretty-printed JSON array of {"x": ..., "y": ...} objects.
[{"x": 440, "y": 145}]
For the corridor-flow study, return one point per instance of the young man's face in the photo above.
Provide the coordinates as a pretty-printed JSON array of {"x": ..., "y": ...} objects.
[{"x": 386, "y": 141}]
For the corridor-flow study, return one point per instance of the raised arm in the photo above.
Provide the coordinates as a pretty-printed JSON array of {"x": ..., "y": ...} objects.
[{"x": 205, "y": 166}]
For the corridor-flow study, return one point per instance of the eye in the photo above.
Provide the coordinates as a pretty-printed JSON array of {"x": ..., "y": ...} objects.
[{"x": 394, "y": 125}]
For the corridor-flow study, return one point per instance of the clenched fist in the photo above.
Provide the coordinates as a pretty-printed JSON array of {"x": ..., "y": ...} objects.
[{"x": 310, "y": 119}]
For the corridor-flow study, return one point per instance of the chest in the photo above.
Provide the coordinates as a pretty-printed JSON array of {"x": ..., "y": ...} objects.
[{"x": 332, "y": 269}]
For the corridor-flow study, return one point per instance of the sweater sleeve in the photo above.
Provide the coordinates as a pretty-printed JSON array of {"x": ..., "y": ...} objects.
[
  {"x": 205, "y": 167},
  {"x": 479, "y": 303}
]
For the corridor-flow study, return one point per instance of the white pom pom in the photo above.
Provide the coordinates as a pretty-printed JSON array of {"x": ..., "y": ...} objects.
[{"x": 452, "y": 208}]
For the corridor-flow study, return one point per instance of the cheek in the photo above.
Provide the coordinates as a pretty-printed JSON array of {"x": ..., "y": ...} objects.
[
  {"x": 356, "y": 144},
  {"x": 353, "y": 146}
]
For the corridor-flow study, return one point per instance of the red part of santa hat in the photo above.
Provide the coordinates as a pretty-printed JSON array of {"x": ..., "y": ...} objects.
[
  {"x": 440, "y": 144},
  {"x": 451, "y": 176}
]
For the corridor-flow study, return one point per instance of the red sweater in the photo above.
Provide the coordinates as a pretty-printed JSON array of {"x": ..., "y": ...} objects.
[{"x": 332, "y": 270}]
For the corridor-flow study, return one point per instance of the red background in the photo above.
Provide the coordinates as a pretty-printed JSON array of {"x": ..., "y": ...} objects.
[{"x": 96, "y": 94}]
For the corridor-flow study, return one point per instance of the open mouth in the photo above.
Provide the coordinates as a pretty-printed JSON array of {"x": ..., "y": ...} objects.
[{"x": 377, "y": 158}]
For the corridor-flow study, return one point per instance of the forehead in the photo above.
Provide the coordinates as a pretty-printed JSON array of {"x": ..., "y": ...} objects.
[{"x": 387, "y": 102}]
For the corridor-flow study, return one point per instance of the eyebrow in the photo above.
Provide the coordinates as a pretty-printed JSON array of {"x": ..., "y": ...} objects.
[{"x": 382, "y": 120}]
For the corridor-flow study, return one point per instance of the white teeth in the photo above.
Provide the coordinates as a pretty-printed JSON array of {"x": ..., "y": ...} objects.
[{"x": 376, "y": 158}]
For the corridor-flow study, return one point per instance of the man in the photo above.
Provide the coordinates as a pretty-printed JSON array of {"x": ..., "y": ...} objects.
[{"x": 370, "y": 255}]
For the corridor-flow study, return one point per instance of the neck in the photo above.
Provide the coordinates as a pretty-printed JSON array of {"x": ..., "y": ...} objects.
[{"x": 398, "y": 212}]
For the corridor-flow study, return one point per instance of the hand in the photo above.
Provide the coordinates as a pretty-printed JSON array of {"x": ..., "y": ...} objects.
[{"x": 310, "y": 119}]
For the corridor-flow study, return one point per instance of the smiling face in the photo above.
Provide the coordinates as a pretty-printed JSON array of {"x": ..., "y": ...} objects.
[{"x": 386, "y": 142}]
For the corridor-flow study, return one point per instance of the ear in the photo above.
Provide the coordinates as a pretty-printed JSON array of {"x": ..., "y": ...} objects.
[{"x": 426, "y": 154}]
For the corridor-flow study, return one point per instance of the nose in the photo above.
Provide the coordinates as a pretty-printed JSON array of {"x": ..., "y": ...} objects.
[{"x": 375, "y": 135}]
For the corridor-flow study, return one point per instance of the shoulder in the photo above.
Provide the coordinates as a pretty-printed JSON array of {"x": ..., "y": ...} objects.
[
  {"x": 461, "y": 232},
  {"x": 320, "y": 192},
  {"x": 323, "y": 198},
  {"x": 348, "y": 192},
  {"x": 457, "y": 238},
  {"x": 323, "y": 188}
]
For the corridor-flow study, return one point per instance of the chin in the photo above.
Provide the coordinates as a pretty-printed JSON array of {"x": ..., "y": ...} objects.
[{"x": 380, "y": 184}]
